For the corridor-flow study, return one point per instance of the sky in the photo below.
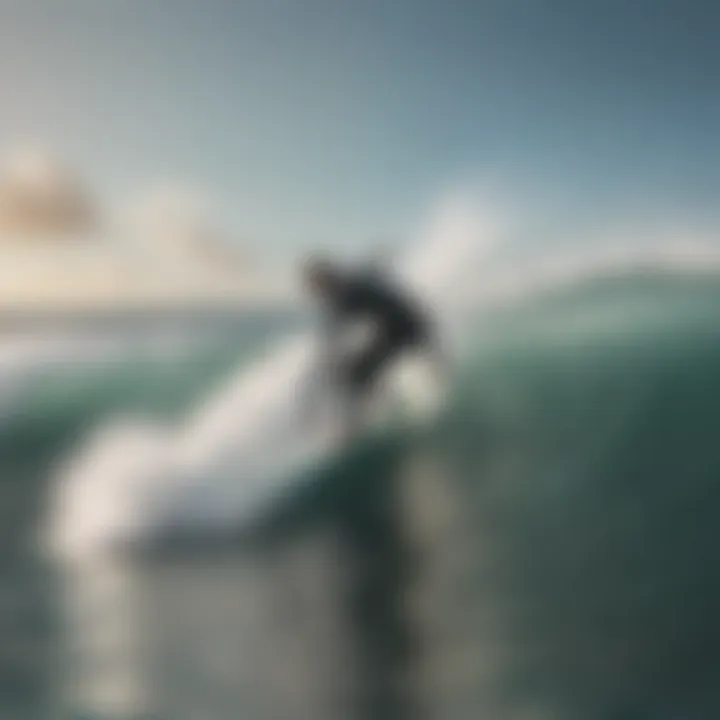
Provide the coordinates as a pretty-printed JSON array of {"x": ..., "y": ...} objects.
[{"x": 337, "y": 122}]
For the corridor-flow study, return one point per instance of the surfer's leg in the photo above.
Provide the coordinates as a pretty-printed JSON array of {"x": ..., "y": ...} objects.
[{"x": 359, "y": 376}]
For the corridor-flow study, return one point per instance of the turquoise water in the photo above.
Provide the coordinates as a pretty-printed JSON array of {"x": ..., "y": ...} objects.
[{"x": 580, "y": 457}]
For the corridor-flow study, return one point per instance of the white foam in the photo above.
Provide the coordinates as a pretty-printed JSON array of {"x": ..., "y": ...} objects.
[{"x": 244, "y": 444}]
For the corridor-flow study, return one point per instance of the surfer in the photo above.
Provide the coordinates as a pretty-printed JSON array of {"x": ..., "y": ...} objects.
[{"x": 398, "y": 325}]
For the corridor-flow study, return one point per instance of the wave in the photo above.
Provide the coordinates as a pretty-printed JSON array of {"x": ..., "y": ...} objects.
[
  {"x": 579, "y": 448},
  {"x": 587, "y": 320}
]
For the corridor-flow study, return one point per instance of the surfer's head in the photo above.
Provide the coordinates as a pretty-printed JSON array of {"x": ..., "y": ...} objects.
[{"x": 321, "y": 277}]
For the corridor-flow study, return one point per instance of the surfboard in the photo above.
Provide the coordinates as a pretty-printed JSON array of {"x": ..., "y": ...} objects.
[{"x": 255, "y": 456}]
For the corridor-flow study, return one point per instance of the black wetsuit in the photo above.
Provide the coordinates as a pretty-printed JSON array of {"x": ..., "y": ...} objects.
[{"x": 399, "y": 322}]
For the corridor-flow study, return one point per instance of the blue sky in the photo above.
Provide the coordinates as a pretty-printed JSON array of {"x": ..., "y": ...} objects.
[{"x": 316, "y": 120}]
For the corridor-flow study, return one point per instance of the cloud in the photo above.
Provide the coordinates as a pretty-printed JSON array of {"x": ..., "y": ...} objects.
[
  {"x": 39, "y": 198},
  {"x": 166, "y": 245},
  {"x": 173, "y": 223}
]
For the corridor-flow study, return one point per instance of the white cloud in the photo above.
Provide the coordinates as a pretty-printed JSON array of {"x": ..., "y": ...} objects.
[
  {"x": 172, "y": 223},
  {"x": 39, "y": 198},
  {"x": 162, "y": 247}
]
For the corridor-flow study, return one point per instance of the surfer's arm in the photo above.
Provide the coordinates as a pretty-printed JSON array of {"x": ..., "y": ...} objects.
[
  {"x": 330, "y": 334},
  {"x": 325, "y": 354},
  {"x": 437, "y": 354}
]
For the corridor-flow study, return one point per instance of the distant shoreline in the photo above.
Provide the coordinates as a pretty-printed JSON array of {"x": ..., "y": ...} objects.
[{"x": 115, "y": 318}]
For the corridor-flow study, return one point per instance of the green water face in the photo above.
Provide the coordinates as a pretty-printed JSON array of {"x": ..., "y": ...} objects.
[{"x": 578, "y": 577}]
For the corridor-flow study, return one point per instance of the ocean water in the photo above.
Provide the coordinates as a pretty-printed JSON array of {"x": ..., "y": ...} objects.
[{"x": 547, "y": 549}]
